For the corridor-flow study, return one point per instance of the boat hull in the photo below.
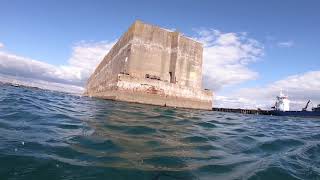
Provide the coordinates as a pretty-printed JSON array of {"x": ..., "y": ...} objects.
[{"x": 296, "y": 113}]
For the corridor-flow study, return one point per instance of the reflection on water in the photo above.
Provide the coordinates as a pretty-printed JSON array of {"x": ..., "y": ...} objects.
[
  {"x": 59, "y": 136},
  {"x": 145, "y": 138}
]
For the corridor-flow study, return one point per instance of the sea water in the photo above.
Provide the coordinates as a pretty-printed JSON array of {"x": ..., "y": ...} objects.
[{"x": 51, "y": 135}]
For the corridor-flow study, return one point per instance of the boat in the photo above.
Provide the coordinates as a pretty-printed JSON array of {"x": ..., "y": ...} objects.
[{"x": 282, "y": 108}]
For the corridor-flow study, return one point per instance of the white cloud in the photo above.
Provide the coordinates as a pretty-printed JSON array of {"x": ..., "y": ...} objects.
[
  {"x": 235, "y": 102},
  {"x": 1, "y": 45},
  {"x": 226, "y": 57},
  {"x": 31, "y": 82},
  {"x": 300, "y": 88},
  {"x": 286, "y": 44},
  {"x": 85, "y": 57}
]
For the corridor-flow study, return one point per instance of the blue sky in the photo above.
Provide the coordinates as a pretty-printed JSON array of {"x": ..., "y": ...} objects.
[{"x": 287, "y": 30}]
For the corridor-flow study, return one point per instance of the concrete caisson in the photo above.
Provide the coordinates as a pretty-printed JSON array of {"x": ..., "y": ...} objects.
[{"x": 151, "y": 65}]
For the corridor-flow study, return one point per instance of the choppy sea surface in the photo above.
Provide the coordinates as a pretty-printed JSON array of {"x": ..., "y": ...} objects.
[{"x": 51, "y": 135}]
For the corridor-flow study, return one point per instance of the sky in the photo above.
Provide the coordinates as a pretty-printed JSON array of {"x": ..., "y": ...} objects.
[{"x": 252, "y": 49}]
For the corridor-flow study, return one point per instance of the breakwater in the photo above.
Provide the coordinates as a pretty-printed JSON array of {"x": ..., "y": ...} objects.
[{"x": 243, "y": 111}]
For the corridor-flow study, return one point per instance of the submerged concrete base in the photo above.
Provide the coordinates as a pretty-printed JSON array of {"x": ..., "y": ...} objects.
[{"x": 148, "y": 91}]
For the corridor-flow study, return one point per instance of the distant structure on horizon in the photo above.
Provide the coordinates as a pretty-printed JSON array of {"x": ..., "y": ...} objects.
[{"x": 151, "y": 65}]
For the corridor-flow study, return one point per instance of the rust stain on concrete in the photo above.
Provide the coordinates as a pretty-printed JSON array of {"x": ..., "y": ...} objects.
[{"x": 152, "y": 65}]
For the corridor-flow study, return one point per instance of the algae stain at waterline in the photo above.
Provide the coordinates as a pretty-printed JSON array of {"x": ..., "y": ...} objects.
[{"x": 151, "y": 65}]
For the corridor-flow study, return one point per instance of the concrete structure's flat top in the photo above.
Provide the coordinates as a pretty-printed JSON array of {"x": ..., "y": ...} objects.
[{"x": 168, "y": 30}]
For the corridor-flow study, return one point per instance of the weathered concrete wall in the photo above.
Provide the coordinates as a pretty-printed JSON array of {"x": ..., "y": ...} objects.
[
  {"x": 156, "y": 51},
  {"x": 189, "y": 63},
  {"x": 154, "y": 66}
]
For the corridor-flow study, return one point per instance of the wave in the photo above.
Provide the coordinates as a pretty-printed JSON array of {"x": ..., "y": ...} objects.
[{"x": 63, "y": 136}]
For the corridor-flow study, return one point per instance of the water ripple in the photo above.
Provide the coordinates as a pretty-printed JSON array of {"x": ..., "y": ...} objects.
[{"x": 51, "y": 135}]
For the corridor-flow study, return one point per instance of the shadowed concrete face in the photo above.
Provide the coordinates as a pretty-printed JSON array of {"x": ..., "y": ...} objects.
[{"x": 151, "y": 65}]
